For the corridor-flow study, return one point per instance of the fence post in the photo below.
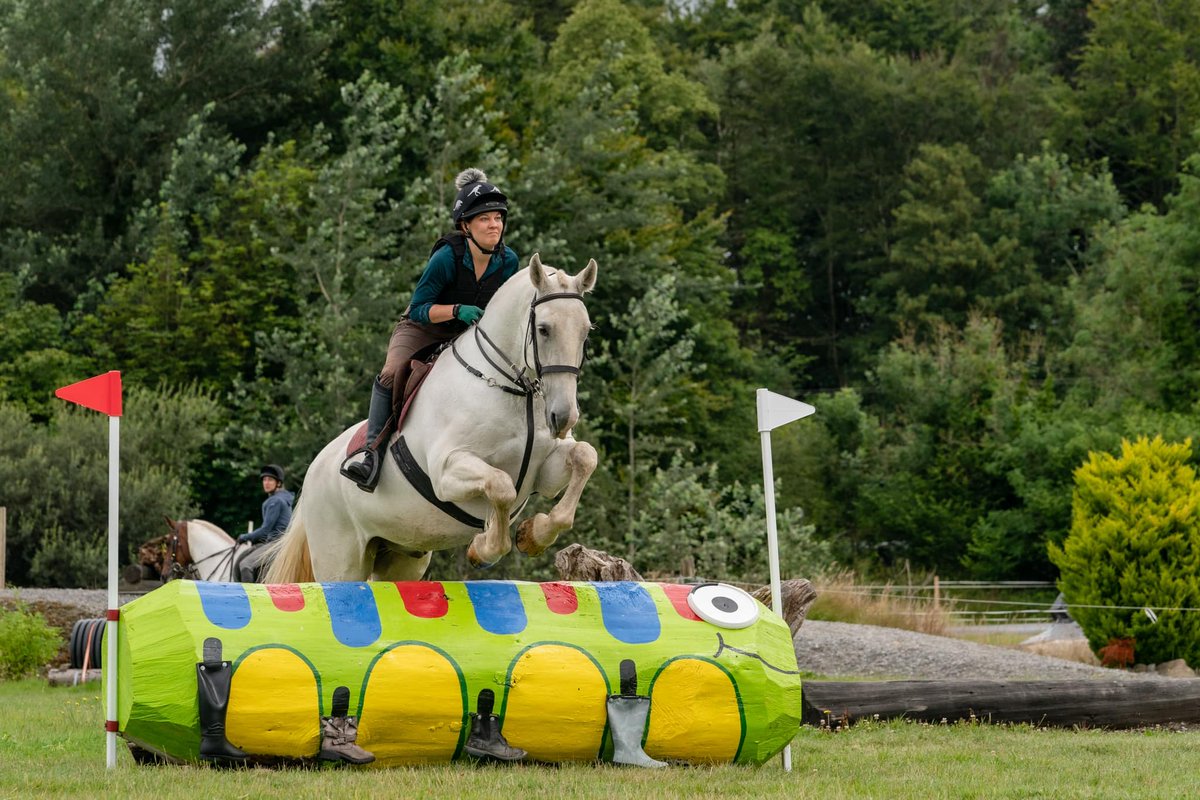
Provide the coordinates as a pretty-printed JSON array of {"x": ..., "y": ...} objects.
[
  {"x": 3, "y": 541},
  {"x": 937, "y": 593}
]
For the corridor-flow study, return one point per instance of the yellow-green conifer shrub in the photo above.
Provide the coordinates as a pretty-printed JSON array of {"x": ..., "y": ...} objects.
[{"x": 1135, "y": 543}]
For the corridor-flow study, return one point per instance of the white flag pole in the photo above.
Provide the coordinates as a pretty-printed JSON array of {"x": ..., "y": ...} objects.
[
  {"x": 110, "y": 658},
  {"x": 775, "y": 410}
]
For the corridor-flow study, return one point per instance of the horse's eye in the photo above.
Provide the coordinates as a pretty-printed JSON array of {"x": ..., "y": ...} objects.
[
  {"x": 543, "y": 330},
  {"x": 723, "y": 605}
]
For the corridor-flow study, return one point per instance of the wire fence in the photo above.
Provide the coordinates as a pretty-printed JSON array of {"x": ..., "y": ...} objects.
[{"x": 953, "y": 599}]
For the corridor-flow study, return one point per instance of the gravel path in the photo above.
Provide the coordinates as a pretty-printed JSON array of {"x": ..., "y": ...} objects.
[
  {"x": 839, "y": 649},
  {"x": 834, "y": 649}
]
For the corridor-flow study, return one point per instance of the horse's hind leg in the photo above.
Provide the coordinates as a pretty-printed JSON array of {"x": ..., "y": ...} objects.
[
  {"x": 466, "y": 477},
  {"x": 395, "y": 564},
  {"x": 573, "y": 463}
]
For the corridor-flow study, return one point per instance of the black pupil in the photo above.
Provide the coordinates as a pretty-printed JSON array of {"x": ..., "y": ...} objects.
[{"x": 726, "y": 604}]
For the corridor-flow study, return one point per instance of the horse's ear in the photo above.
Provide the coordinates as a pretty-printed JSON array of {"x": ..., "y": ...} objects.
[
  {"x": 585, "y": 281},
  {"x": 537, "y": 274},
  {"x": 170, "y": 522}
]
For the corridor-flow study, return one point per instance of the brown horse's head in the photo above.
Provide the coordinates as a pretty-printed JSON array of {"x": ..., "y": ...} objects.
[{"x": 175, "y": 555}]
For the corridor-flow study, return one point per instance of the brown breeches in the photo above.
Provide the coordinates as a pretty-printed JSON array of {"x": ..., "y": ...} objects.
[{"x": 408, "y": 338}]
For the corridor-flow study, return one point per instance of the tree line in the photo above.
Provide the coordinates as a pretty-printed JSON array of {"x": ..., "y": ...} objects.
[{"x": 964, "y": 231}]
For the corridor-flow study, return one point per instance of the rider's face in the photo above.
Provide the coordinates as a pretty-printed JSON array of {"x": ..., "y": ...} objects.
[
  {"x": 486, "y": 228},
  {"x": 269, "y": 484}
]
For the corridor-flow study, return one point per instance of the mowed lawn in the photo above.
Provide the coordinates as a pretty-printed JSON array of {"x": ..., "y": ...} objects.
[{"x": 52, "y": 745}]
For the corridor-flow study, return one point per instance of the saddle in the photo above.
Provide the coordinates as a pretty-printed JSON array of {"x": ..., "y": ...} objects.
[{"x": 419, "y": 368}]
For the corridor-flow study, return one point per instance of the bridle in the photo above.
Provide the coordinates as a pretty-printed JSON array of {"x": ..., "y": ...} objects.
[
  {"x": 179, "y": 562},
  {"x": 524, "y": 386}
]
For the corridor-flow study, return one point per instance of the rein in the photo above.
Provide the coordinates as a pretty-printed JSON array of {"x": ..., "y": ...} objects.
[
  {"x": 182, "y": 565},
  {"x": 522, "y": 386}
]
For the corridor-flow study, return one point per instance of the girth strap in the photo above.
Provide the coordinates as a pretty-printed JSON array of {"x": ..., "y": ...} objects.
[{"x": 420, "y": 481}]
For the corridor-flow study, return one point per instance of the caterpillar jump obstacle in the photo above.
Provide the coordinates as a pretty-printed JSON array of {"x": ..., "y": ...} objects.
[{"x": 420, "y": 672}]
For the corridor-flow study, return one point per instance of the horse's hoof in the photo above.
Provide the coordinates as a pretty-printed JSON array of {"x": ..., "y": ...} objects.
[
  {"x": 525, "y": 540},
  {"x": 476, "y": 561}
]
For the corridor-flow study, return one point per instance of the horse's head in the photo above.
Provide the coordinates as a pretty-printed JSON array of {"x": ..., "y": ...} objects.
[{"x": 558, "y": 329}]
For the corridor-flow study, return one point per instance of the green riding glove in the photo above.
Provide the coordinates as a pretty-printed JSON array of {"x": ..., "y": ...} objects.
[{"x": 468, "y": 314}]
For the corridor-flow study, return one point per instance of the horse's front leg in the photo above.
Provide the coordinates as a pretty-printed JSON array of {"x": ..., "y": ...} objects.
[
  {"x": 572, "y": 463},
  {"x": 466, "y": 477}
]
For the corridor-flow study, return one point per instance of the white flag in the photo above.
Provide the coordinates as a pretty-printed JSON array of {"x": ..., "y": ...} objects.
[{"x": 775, "y": 410}]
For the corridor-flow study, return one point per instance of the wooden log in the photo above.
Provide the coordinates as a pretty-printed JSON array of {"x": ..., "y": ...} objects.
[
  {"x": 71, "y": 676},
  {"x": 1066, "y": 704}
]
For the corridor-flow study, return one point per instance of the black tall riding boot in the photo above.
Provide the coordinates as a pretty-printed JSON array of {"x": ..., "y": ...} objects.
[
  {"x": 485, "y": 740},
  {"x": 627, "y": 716},
  {"x": 363, "y": 466},
  {"x": 213, "y": 677}
]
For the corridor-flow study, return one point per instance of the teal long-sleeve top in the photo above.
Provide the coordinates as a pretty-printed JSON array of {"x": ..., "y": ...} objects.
[{"x": 440, "y": 277}]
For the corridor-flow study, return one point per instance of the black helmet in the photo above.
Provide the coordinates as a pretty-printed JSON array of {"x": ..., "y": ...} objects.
[
  {"x": 272, "y": 471},
  {"x": 476, "y": 196}
]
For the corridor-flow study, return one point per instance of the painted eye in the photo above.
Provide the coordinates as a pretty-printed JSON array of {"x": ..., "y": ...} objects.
[{"x": 723, "y": 605}]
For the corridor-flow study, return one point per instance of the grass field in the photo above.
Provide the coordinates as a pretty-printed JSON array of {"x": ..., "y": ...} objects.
[{"x": 52, "y": 745}]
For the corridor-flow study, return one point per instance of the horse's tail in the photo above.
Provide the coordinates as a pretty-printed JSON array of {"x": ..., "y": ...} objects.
[{"x": 289, "y": 557}]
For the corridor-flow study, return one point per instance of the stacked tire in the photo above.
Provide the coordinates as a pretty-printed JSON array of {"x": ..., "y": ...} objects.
[{"x": 86, "y": 635}]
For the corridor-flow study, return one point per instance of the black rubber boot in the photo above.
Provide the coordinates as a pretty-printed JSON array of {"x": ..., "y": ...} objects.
[
  {"x": 339, "y": 733},
  {"x": 627, "y": 716},
  {"x": 486, "y": 741},
  {"x": 213, "y": 677},
  {"x": 363, "y": 466}
]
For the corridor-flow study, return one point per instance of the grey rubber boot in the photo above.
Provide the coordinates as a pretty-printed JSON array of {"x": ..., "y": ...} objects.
[
  {"x": 213, "y": 678},
  {"x": 486, "y": 741},
  {"x": 627, "y": 717},
  {"x": 363, "y": 466},
  {"x": 339, "y": 733}
]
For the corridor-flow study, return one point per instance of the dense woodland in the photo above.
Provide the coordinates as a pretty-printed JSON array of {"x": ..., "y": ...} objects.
[{"x": 967, "y": 231}]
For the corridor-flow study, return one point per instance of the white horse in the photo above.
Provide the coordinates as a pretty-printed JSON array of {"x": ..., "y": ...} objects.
[
  {"x": 490, "y": 426},
  {"x": 195, "y": 549}
]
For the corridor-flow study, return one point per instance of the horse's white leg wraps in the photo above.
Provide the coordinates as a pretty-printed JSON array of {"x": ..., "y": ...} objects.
[
  {"x": 573, "y": 462},
  {"x": 466, "y": 477}
]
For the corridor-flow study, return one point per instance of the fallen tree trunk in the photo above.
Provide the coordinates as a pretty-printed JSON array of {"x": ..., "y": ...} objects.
[{"x": 1064, "y": 704}]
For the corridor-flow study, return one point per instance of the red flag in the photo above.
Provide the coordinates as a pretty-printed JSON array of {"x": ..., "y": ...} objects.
[{"x": 101, "y": 393}]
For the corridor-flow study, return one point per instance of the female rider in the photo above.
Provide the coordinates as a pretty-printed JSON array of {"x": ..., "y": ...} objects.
[{"x": 463, "y": 273}]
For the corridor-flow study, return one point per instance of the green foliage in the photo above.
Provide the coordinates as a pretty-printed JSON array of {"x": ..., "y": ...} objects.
[
  {"x": 27, "y": 642},
  {"x": 1139, "y": 87},
  {"x": 1135, "y": 544},
  {"x": 54, "y": 481},
  {"x": 645, "y": 376},
  {"x": 32, "y": 362},
  {"x": 210, "y": 278},
  {"x": 94, "y": 97},
  {"x": 698, "y": 525},
  {"x": 1135, "y": 338},
  {"x": 1004, "y": 245}
]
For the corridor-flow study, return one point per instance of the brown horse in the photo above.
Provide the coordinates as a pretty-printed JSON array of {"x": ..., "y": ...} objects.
[{"x": 194, "y": 549}]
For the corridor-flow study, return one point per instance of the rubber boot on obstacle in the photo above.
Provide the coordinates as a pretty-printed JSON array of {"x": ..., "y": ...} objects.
[
  {"x": 339, "y": 733},
  {"x": 363, "y": 466},
  {"x": 628, "y": 713},
  {"x": 213, "y": 678},
  {"x": 486, "y": 742}
]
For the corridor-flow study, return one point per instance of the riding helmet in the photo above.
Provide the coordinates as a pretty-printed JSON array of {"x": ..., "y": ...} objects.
[
  {"x": 476, "y": 196},
  {"x": 272, "y": 471}
]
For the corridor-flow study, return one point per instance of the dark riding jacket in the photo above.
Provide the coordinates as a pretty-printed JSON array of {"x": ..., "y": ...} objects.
[
  {"x": 276, "y": 513},
  {"x": 445, "y": 283}
]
